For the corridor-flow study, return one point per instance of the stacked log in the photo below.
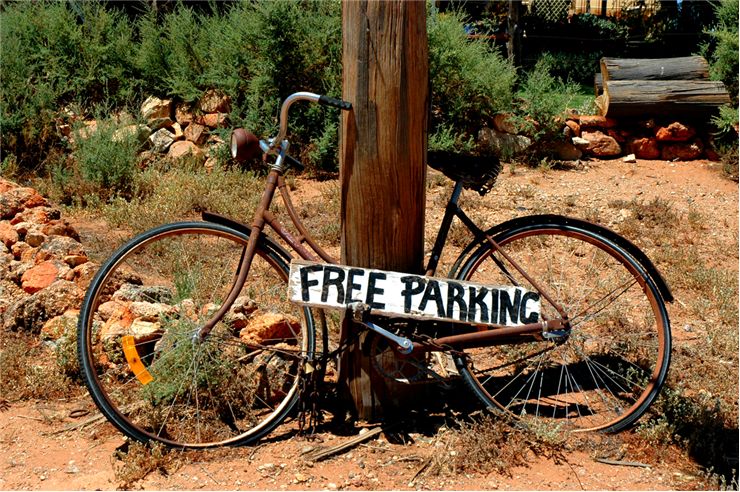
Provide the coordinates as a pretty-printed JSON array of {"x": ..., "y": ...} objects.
[{"x": 677, "y": 87}]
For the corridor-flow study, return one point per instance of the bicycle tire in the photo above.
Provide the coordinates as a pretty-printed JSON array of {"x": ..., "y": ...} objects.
[
  {"x": 609, "y": 366},
  {"x": 147, "y": 373}
]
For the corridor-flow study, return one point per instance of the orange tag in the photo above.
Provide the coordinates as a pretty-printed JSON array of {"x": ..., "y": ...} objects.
[{"x": 134, "y": 362}]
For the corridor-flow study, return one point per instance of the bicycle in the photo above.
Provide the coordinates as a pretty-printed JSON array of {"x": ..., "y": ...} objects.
[{"x": 187, "y": 336}]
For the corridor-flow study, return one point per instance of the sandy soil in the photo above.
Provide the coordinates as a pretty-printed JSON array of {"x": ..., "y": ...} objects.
[{"x": 44, "y": 446}]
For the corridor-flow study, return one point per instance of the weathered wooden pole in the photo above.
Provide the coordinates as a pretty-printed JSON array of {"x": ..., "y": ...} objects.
[{"x": 382, "y": 160}]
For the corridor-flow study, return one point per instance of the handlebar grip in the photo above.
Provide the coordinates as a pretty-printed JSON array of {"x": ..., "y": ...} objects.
[{"x": 335, "y": 103}]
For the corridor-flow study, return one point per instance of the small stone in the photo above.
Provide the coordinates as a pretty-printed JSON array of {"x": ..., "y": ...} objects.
[
  {"x": 140, "y": 133},
  {"x": 270, "y": 326},
  {"x": 185, "y": 148},
  {"x": 601, "y": 145},
  {"x": 196, "y": 133},
  {"x": 215, "y": 120},
  {"x": 682, "y": 151},
  {"x": 214, "y": 101},
  {"x": 597, "y": 121},
  {"x": 644, "y": 148},
  {"x": 39, "y": 277},
  {"x": 161, "y": 140},
  {"x": 566, "y": 151},
  {"x": 35, "y": 239},
  {"x": 579, "y": 142},
  {"x": 574, "y": 126},
  {"x": 503, "y": 122},
  {"x": 184, "y": 114},
  {"x": 75, "y": 260},
  {"x": 155, "y": 108},
  {"x": 8, "y": 234},
  {"x": 177, "y": 129},
  {"x": 675, "y": 132},
  {"x": 504, "y": 144},
  {"x": 630, "y": 159}
]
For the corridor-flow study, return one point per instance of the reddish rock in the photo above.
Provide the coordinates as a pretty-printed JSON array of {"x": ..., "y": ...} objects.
[
  {"x": 58, "y": 247},
  {"x": 597, "y": 121},
  {"x": 196, "y": 133},
  {"x": 177, "y": 131},
  {"x": 215, "y": 120},
  {"x": 154, "y": 108},
  {"x": 574, "y": 126},
  {"x": 40, "y": 276},
  {"x": 83, "y": 274},
  {"x": 184, "y": 148},
  {"x": 184, "y": 114},
  {"x": 19, "y": 199},
  {"x": 644, "y": 148},
  {"x": 56, "y": 327},
  {"x": 270, "y": 327},
  {"x": 60, "y": 228},
  {"x": 601, "y": 145},
  {"x": 19, "y": 248},
  {"x": 619, "y": 135},
  {"x": 675, "y": 132},
  {"x": 6, "y": 185},
  {"x": 35, "y": 238},
  {"x": 214, "y": 101},
  {"x": 37, "y": 215},
  {"x": 683, "y": 151},
  {"x": 8, "y": 235}
]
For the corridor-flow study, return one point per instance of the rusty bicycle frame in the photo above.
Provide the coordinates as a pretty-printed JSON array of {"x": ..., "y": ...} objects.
[{"x": 307, "y": 248}]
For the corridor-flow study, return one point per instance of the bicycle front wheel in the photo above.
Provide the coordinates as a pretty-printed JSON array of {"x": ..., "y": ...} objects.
[
  {"x": 602, "y": 372},
  {"x": 149, "y": 373}
]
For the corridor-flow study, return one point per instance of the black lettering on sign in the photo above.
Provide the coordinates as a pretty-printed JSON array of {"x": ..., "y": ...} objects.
[
  {"x": 432, "y": 293},
  {"x": 534, "y": 316},
  {"x": 510, "y": 306},
  {"x": 351, "y": 285},
  {"x": 410, "y": 289},
  {"x": 455, "y": 293},
  {"x": 372, "y": 290},
  {"x": 476, "y": 302},
  {"x": 306, "y": 283},
  {"x": 337, "y": 282},
  {"x": 494, "y": 306}
]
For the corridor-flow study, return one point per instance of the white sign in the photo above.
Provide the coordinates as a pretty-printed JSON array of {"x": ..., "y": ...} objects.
[{"x": 411, "y": 296}]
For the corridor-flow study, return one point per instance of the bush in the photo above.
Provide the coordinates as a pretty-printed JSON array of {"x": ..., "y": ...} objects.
[
  {"x": 54, "y": 55},
  {"x": 470, "y": 82}
]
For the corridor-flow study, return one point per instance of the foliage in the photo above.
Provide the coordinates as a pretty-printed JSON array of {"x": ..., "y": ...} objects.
[
  {"x": 470, "y": 82},
  {"x": 723, "y": 48},
  {"x": 54, "y": 56},
  {"x": 542, "y": 103}
]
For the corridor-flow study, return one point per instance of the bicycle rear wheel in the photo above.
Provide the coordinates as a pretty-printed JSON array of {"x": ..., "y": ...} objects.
[
  {"x": 148, "y": 372},
  {"x": 604, "y": 371}
]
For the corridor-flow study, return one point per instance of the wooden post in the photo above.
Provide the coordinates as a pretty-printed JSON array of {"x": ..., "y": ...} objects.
[{"x": 382, "y": 160}]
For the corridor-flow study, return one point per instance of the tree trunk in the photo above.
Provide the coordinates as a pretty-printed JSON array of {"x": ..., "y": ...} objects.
[
  {"x": 677, "y": 98},
  {"x": 383, "y": 155},
  {"x": 683, "y": 68}
]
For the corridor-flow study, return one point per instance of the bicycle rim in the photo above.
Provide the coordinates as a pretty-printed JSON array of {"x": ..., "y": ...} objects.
[
  {"x": 148, "y": 372},
  {"x": 603, "y": 372}
]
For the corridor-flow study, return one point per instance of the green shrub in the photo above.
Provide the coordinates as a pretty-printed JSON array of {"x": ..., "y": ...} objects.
[
  {"x": 470, "y": 82},
  {"x": 542, "y": 101},
  {"x": 723, "y": 49},
  {"x": 54, "y": 55}
]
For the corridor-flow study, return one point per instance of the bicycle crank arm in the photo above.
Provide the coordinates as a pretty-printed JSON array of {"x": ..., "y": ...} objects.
[{"x": 405, "y": 346}]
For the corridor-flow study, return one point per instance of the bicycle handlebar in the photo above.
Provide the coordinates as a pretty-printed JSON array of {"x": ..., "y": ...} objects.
[{"x": 245, "y": 145}]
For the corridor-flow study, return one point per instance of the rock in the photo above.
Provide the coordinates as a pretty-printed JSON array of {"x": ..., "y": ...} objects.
[
  {"x": 684, "y": 151},
  {"x": 6, "y": 185},
  {"x": 116, "y": 325},
  {"x": 58, "y": 247},
  {"x": 154, "y": 108},
  {"x": 140, "y": 133},
  {"x": 215, "y": 120},
  {"x": 177, "y": 130},
  {"x": 60, "y": 228},
  {"x": 503, "y": 122},
  {"x": 144, "y": 330},
  {"x": 35, "y": 238},
  {"x": 151, "y": 293},
  {"x": 574, "y": 127},
  {"x": 580, "y": 142},
  {"x": 184, "y": 148},
  {"x": 601, "y": 145},
  {"x": 82, "y": 274},
  {"x": 270, "y": 327},
  {"x": 19, "y": 248},
  {"x": 150, "y": 311},
  {"x": 675, "y": 132},
  {"x": 18, "y": 199},
  {"x": 8, "y": 235},
  {"x": 211, "y": 164},
  {"x": 161, "y": 140},
  {"x": 32, "y": 312},
  {"x": 214, "y": 101},
  {"x": 503, "y": 143},
  {"x": 566, "y": 151},
  {"x": 75, "y": 260},
  {"x": 644, "y": 148},
  {"x": 184, "y": 114},
  {"x": 113, "y": 309},
  {"x": 597, "y": 121},
  {"x": 619, "y": 135},
  {"x": 57, "y": 326},
  {"x": 41, "y": 276},
  {"x": 37, "y": 215},
  {"x": 196, "y": 133},
  {"x": 10, "y": 293},
  {"x": 630, "y": 159}
]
